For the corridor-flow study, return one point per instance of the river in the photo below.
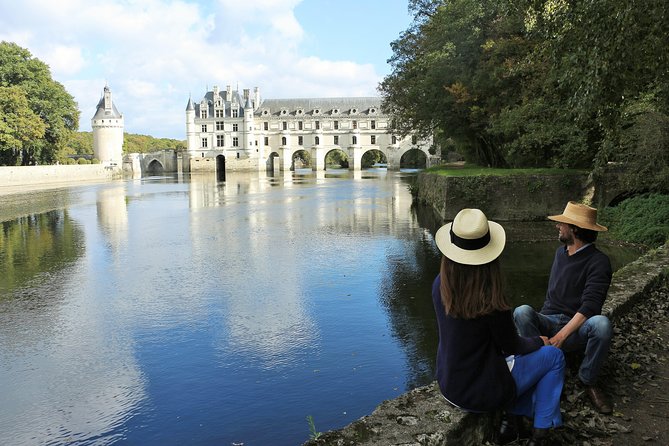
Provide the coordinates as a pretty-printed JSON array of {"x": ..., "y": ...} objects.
[{"x": 175, "y": 311}]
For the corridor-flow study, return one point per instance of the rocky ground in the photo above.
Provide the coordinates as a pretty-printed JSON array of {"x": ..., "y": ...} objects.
[{"x": 637, "y": 379}]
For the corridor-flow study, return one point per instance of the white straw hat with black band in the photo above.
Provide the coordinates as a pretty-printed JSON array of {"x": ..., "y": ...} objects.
[{"x": 471, "y": 239}]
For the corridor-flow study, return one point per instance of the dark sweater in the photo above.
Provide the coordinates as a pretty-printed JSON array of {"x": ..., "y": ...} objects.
[
  {"x": 471, "y": 365},
  {"x": 578, "y": 283}
]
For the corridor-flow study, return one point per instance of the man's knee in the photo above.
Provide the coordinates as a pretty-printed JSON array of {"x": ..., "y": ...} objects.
[
  {"x": 600, "y": 327},
  {"x": 524, "y": 313},
  {"x": 524, "y": 317}
]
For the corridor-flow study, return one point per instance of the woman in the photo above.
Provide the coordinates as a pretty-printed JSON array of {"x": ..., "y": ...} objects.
[{"x": 482, "y": 363}]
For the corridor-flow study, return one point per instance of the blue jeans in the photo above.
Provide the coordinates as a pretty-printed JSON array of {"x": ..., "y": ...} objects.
[
  {"x": 539, "y": 379},
  {"x": 593, "y": 337}
]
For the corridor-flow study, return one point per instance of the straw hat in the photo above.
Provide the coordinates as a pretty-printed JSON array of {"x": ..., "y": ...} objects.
[
  {"x": 580, "y": 215},
  {"x": 471, "y": 239}
]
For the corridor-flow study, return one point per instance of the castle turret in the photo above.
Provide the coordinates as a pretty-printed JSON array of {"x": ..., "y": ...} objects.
[
  {"x": 107, "y": 124},
  {"x": 191, "y": 134}
]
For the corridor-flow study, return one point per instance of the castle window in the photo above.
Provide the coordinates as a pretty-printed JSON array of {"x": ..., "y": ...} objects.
[
  {"x": 372, "y": 125},
  {"x": 265, "y": 125},
  {"x": 219, "y": 125},
  {"x": 354, "y": 140},
  {"x": 414, "y": 139},
  {"x": 204, "y": 143},
  {"x": 235, "y": 141},
  {"x": 203, "y": 114},
  {"x": 237, "y": 155},
  {"x": 267, "y": 140},
  {"x": 354, "y": 110},
  {"x": 335, "y": 111},
  {"x": 220, "y": 141},
  {"x": 317, "y": 140},
  {"x": 204, "y": 128},
  {"x": 265, "y": 112},
  {"x": 299, "y": 125},
  {"x": 317, "y": 111},
  {"x": 300, "y": 140},
  {"x": 300, "y": 111},
  {"x": 394, "y": 139},
  {"x": 354, "y": 124},
  {"x": 285, "y": 125},
  {"x": 283, "y": 140},
  {"x": 336, "y": 139},
  {"x": 220, "y": 113},
  {"x": 373, "y": 138},
  {"x": 372, "y": 110},
  {"x": 335, "y": 125},
  {"x": 318, "y": 125},
  {"x": 235, "y": 127},
  {"x": 235, "y": 113}
]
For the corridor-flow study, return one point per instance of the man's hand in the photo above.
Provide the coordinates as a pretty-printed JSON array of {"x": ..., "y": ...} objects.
[{"x": 557, "y": 340}]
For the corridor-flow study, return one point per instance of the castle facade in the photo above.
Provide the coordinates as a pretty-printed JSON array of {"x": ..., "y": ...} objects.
[{"x": 233, "y": 130}]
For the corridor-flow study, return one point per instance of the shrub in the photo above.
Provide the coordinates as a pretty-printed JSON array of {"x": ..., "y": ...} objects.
[
  {"x": 83, "y": 161},
  {"x": 642, "y": 219}
]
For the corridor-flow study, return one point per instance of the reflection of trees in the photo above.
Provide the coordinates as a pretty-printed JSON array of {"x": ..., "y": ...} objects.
[
  {"x": 407, "y": 296},
  {"x": 37, "y": 243}
]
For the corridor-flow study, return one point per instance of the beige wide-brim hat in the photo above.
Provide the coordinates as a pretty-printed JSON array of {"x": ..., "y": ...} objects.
[
  {"x": 471, "y": 239},
  {"x": 580, "y": 215}
]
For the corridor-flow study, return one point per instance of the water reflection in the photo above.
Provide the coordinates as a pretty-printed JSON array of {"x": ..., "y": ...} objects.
[{"x": 186, "y": 309}]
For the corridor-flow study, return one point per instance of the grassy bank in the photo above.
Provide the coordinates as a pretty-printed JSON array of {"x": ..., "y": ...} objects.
[
  {"x": 643, "y": 219},
  {"x": 466, "y": 170}
]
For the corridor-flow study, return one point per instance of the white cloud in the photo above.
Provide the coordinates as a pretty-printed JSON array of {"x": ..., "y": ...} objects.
[{"x": 153, "y": 54}]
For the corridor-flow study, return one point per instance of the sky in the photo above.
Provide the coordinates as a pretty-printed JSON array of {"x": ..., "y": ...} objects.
[{"x": 155, "y": 54}]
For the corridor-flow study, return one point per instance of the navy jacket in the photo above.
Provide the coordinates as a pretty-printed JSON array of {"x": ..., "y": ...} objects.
[{"x": 471, "y": 365}]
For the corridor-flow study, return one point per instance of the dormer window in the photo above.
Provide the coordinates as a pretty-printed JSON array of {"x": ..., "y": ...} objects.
[
  {"x": 372, "y": 110},
  {"x": 317, "y": 111},
  {"x": 284, "y": 112},
  {"x": 300, "y": 111},
  {"x": 265, "y": 112},
  {"x": 335, "y": 111},
  {"x": 354, "y": 111}
]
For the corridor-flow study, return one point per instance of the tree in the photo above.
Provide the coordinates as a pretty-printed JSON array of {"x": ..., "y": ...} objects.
[
  {"x": 18, "y": 125},
  {"x": 46, "y": 98}
]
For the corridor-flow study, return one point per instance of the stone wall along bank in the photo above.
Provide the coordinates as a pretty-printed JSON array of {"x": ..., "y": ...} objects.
[
  {"x": 512, "y": 197},
  {"x": 14, "y": 178}
]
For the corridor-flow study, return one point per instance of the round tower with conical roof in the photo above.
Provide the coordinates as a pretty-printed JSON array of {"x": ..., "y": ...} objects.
[{"x": 107, "y": 124}]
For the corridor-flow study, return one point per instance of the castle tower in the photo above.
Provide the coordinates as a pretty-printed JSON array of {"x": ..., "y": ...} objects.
[{"x": 107, "y": 124}]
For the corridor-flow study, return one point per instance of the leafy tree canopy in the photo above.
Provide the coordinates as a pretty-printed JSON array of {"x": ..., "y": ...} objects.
[
  {"x": 556, "y": 83},
  {"x": 46, "y": 98}
]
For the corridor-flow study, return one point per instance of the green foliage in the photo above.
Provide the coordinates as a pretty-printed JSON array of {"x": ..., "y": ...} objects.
[
  {"x": 336, "y": 158},
  {"x": 474, "y": 170},
  {"x": 642, "y": 219},
  {"x": 372, "y": 157},
  {"x": 133, "y": 143},
  {"x": 414, "y": 158},
  {"x": 83, "y": 161},
  {"x": 46, "y": 98},
  {"x": 19, "y": 125},
  {"x": 548, "y": 83},
  {"x": 313, "y": 433}
]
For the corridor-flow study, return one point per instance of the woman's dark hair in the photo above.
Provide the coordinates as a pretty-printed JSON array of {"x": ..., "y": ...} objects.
[
  {"x": 585, "y": 235},
  {"x": 470, "y": 291}
]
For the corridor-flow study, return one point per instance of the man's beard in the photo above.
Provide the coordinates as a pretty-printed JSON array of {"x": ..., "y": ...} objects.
[{"x": 566, "y": 239}]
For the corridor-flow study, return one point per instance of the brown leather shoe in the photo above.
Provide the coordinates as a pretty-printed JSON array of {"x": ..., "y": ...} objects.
[{"x": 599, "y": 399}]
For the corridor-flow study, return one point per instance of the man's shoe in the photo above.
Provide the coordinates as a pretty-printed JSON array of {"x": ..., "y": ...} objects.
[
  {"x": 599, "y": 399},
  {"x": 508, "y": 430},
  {"x": 539, "y": 438}
]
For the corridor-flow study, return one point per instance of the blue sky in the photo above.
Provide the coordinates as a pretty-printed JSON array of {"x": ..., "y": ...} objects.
[{"x": 154, "y": 54}]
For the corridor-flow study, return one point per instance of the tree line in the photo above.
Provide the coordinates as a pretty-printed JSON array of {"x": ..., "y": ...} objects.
[
  {"x": 39, "y": 118},
  {"x": 538, "y": 83}
]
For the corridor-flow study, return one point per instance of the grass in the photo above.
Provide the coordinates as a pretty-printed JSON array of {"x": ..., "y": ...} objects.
[{"x": 642, "y": 219}]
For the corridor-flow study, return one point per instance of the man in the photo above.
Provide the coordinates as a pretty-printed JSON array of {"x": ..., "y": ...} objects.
[{"x": 571, "y": 315}]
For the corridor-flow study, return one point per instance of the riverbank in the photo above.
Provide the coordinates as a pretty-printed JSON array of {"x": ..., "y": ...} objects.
[
  {"x": 16, "y": 179},
  {"x": 422, "y": 417}
]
